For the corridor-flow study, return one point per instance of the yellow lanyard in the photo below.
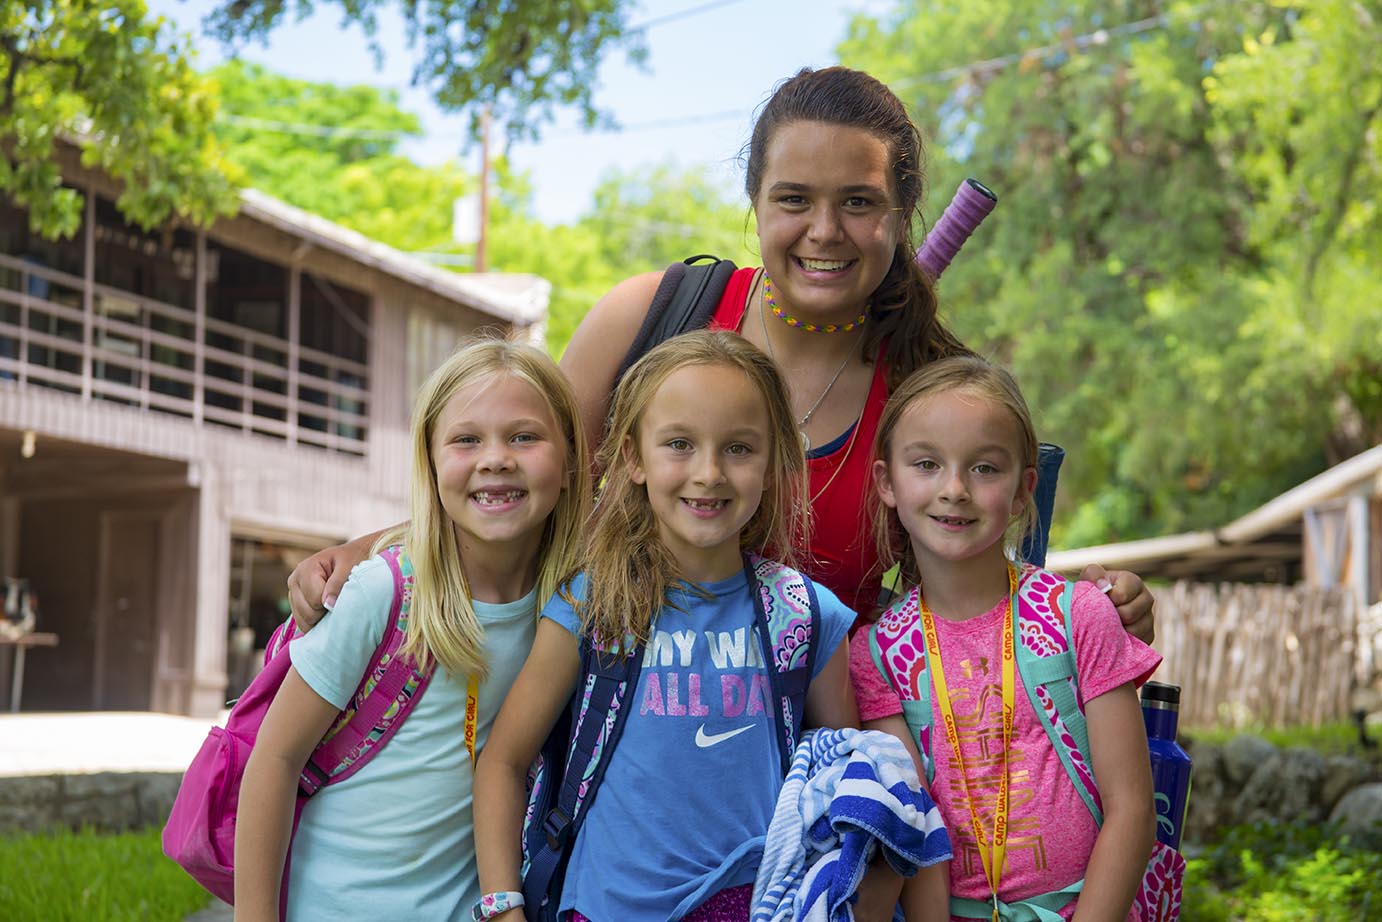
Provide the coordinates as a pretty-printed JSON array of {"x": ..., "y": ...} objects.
[
  {"x": 472, "y": 715},
  {"x": 993, "y": 865}
]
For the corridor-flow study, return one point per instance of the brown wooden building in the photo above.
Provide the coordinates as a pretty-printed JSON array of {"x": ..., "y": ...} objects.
[{"x": 185, "y": 413}]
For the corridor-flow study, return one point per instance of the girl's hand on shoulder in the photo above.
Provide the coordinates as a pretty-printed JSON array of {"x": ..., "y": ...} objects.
[
  {"x": 315, "y": 583},
  {"x": 1130, "y": 596}
]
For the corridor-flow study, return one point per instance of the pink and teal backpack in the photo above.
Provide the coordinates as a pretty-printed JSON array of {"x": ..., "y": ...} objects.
[
  {"x": 200, "y": 832},
  {"x": 1046, "y": 662}
]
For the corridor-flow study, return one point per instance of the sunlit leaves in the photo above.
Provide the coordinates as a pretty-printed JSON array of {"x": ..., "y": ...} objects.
[
  {"x": 1183, "y": 266},
  {"x": 122, "y": 87}
]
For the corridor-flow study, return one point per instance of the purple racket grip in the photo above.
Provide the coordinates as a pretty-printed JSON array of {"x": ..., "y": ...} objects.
[{"x": 967, "y": 210}]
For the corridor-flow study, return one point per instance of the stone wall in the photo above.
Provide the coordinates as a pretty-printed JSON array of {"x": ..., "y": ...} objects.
[
  {"x": 109, "y": 801},
  {"x": 1249, "y": 780},
  {"x": 1245, "y": 780}
]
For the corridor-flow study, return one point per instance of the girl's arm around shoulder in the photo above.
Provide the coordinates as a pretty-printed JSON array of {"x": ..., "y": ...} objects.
[
  {"x": 1118, "y": 750},
  {"x": 599, "y": 344},
  {"x": 294, "y": 724},
  {"x": 1106, "y": 655},
  {"x": 543, "y": 687}
]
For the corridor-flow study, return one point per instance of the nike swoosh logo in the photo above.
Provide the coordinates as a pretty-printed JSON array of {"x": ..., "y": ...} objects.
[{"x": 706, "y": 740}]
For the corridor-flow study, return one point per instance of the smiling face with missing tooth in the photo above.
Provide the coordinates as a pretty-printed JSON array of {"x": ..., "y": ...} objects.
[{"x": 500, "y": 461}]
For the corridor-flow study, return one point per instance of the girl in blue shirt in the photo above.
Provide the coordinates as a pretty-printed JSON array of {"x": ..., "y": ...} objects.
[{"x": 703, "y": 463}]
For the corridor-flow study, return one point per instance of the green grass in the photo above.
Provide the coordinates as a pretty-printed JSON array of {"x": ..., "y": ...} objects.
[
  {"x": 1285, "y": 873},
  {"x": 1339, "y": 738},
  {"x": 93, "y": 877}
]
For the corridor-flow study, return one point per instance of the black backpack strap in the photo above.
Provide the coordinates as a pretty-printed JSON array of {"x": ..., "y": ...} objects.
[
  {"x": 685, "y": 300},
  {"x": 550, "y": 839}
]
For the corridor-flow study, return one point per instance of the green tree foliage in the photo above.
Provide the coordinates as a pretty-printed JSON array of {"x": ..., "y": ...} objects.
[
  {"x": 341, "y": 161},
  {"x": 1182, "y": 269},
  {"x": 516, "y": 59},
  {"x": 639, "y": 221},
  {"x": 121, "y": 87}
]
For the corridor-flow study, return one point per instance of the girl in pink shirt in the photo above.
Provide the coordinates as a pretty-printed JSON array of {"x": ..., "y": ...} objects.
[{"x": 954, "y": 471}]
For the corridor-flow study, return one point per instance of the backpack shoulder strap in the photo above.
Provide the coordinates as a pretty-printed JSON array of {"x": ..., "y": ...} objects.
[
  {"x": 902, "y": 663},
  {"x": 787, "y": 623},
  {"x": 1046, "y": 661},
  {"x": 685, "y": 300},
  {"x": 391, "y": 686},
  {"x": 597, "y": 722}
]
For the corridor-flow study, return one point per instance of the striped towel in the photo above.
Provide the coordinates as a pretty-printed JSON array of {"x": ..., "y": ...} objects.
[{"x": 849, "y": 793}]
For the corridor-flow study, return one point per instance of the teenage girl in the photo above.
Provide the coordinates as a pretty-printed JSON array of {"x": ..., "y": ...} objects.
[
  {"x": 498, "y": 498},
  {"x": 954, "y": 471},
  {"x": 834, "y": 175},
  {"x": 703, "y": 463}
]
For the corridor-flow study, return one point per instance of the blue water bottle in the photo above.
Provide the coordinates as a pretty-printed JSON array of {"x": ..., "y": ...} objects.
[{"x": 1170, "y": 764}]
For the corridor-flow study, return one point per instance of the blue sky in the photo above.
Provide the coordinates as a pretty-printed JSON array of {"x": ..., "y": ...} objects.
[{"x": 705, "y": 74}]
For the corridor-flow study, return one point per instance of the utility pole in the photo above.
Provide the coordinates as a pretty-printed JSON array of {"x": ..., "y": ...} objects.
[{"x": 484, "y": 190}]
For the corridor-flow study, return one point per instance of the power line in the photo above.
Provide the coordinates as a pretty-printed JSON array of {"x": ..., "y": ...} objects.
[
  {"x": 1076, "y": 44},
  {"x": 1097, "y": 38},
  {"x": 681, "y": 14},
  {"x": 320, "y": 131}
]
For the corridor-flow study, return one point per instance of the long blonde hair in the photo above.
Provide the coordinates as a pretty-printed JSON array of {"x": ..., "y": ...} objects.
[
  {"x": 442, "y": 623},
  {"x": 972, "y": 375},
  {"x": 629, "y": 572}
]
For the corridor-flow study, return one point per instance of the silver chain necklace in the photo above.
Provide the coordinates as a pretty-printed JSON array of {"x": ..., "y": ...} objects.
[{"x": 801, "y": 423}]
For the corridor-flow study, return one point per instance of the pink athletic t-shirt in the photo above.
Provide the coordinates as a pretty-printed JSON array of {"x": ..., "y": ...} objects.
[{"x": 1050, "y": 830}]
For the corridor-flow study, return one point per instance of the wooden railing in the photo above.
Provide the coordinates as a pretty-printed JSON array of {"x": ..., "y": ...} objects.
[{"x": 138, "y": 351}]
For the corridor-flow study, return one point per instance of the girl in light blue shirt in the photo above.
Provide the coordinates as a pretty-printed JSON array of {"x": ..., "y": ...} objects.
[{"x": 499, "y": 492}]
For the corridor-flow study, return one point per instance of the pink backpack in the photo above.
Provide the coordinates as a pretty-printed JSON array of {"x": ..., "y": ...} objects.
[{"x": 200, "y": 832}]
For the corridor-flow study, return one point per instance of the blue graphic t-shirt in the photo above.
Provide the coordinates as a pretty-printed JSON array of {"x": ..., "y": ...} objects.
[{"x": 690, "y": 789}]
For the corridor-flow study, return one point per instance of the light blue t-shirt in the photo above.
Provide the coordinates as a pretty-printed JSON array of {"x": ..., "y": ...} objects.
[
  {"x": 690, "y": 789},
  {"x": 395, "y": 840}
]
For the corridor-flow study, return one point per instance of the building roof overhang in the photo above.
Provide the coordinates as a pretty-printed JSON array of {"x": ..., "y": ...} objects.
[
  {"x": 1267, "y": 537},
  {"x": 517, "y": 298}
]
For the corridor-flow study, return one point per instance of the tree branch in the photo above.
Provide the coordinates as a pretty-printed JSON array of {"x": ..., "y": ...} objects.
[{"x": 1340, "y": 203}]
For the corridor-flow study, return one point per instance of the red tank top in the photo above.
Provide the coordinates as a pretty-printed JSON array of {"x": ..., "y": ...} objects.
[{"x": 842, "y": 554}]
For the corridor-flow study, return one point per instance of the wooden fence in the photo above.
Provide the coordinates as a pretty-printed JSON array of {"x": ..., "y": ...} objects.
[{"x": 1251, "y": 654}]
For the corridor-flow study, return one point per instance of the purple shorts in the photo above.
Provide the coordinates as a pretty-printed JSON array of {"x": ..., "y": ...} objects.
[{"x": 730, "y": 905}]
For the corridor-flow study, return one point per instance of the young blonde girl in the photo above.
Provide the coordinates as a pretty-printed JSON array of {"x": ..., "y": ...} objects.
[
  {"x": 498, "y": 498},
  {"x": 954, "y": 472},
  {"x": 703, "y": 463}
]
